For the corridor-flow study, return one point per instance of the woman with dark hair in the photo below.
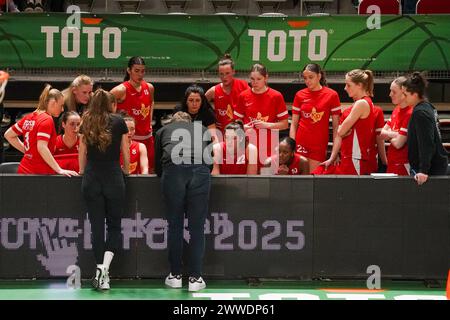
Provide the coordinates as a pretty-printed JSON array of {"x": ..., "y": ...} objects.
[
  {"x": 264, "y": 113},
  {"x": 225, "y": 94},
  {"x": 426, "y": 153},
  {"x": 197, "y": 106},
  {"x": 67, "y": 143},
  {"x": 235, "y": 155},
  {"x": 39, "y": 136},
  {"x": 311, "y": 113},
  {"x": 136, "y": 97},
  {"x": 355, "y": 134},
  {"x": 287, "y": 161},
  {"x": 103, "y": 136}
]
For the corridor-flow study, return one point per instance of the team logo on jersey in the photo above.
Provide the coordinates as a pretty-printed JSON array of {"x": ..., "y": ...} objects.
[
  {"x": 133, "y": 152},
  {"x": 133, "y": 167},
  {"x": 294, "y": 171},
  {"x": 146, "y": 92},
  {"x": 260, "y": 117},
  {"x": 313, "y": 115},
  {"x": 316, "y": 116},
  {"x": 145, "y": 111},
  {"x": 28, "y": 125},
  {"x": 230, "y": 112}
]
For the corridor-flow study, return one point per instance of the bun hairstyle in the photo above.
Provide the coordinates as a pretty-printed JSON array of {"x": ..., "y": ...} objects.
[
  {"x": 364, "y": 77},
  {"x": 416, "y": 83},
  {"x": 257, "y": 67},
  {"x": 314, "y": 67},
  {"x": 226, "y": 60},
  {"x": 133, "y": 60}
]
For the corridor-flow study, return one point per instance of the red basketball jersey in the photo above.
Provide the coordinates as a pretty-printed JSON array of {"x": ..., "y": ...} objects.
[
  {"x": 138, "y": 104},
  {"x": 62, "y": 148},
  {"x": 357, "y": 144},
  {"x": 232, "y": 164},
  {"x": 224, "y": 104},
  {"x": 315, "y": 109},
  {"x": 33, "y": 127},
  {"x": 399, "y": 123}
]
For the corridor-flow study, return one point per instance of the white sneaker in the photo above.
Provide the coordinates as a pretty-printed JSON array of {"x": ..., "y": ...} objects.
[
  {"x": 174, "y": 281},
  {"x": 196, "y": 284},
  {"x": 104, "y": 282}
]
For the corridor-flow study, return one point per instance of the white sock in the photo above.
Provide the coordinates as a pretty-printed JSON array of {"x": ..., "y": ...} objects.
[{"x": 107, "y": 258}]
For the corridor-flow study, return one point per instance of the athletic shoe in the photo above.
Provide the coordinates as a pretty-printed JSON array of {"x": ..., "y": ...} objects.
[
  {"x": 174, "y": 281},
  {"x": 97, "y": 278},
  {"x": 104, "y": 283},
  {"x": 29, "y": 7},
  {"x": 196, "y": 284},
  {"x": 38, "y": 8}
]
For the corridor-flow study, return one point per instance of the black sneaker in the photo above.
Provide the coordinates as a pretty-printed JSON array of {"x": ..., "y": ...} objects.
[{"x": 97, "y": 278}]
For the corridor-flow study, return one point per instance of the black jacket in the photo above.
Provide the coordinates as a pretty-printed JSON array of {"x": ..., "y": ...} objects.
[{"x": 425, "y": 150}]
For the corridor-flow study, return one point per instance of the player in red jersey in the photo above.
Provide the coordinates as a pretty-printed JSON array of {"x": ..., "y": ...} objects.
[
  {"x": 135, "y": 96},
  {"x": 396, "y": 131},
  {"x": 355, "y": 133},
  {"x": 311, "y": 113},
  {"x": 39, "y": 136},
  {"x": 69, "y": 140},
  {"x": 235, "y": 155},
  {"x": 138, "y": 151},
  {"x": 264, "y": 113},
  {"x": 287, "y": 161},
  {"x": 67, "y": 143},
  {"x": 377, "y": 148},
  {"x": 225, "y": 94}
]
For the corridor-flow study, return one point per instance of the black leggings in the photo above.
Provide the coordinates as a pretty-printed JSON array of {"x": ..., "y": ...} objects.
[{"x": 103, "y": 189}]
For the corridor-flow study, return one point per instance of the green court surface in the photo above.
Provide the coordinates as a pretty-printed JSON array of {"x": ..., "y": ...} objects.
[{"x": 154, "y": 289}]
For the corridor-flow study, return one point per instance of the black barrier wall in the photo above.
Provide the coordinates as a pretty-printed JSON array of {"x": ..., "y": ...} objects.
[{"x": 271, "y": 227}]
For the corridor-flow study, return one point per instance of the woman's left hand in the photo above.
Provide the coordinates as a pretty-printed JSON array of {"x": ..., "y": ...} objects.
[{"x": 258, "y": 124}]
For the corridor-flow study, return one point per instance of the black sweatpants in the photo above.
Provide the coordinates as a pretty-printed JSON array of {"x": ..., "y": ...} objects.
[{"x": 103, "y": 189}]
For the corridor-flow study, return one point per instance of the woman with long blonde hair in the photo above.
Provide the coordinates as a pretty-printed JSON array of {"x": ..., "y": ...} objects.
[{"x": 39, "y": 136}]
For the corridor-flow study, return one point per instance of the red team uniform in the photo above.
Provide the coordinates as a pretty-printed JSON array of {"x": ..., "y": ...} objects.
[
  {"x": 34, "y": 127},
  {"x": 314, "y": 109},
  {"x": 269, "y": 107},
  {"x": 294, "y": 167},
  {"x": 66, "y": 157},
  {"x": 224, "y": 104},
  {"x": 378, "y": 126},
  {"x": 61, "y": 147},
  {"x": 236, "y": 166},
  {"x": 398, "y": 158},
  {"x": 355, "y": 146},
  {"x": 139, "y": 106},
  {"x": 135, "y": 163}
]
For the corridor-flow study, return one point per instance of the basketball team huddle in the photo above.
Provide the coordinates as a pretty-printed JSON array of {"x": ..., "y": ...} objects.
[{"x": 250, "y": 126}]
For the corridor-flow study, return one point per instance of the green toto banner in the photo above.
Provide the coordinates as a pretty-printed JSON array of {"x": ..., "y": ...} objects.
[{"x": 337, "y": 43}]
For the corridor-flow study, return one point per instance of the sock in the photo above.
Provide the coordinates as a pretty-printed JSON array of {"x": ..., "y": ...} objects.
[{"x": 107, "y": 258}]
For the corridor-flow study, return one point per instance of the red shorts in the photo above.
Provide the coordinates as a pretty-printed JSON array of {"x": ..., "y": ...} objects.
[
  {"x": 400, "y": 169},
  {"x": 313, "y": 154}
]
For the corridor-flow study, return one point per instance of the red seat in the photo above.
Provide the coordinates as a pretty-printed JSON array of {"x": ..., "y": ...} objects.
[
  {"x": 386, "y": 6},
  {"x": 433, "y": 7}
]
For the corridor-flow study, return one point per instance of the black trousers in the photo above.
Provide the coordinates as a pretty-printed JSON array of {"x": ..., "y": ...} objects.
[{"x": 103, "y": 189}]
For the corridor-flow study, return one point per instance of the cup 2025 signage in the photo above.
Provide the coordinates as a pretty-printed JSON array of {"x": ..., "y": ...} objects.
[{"x": 337, "y": 43}]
